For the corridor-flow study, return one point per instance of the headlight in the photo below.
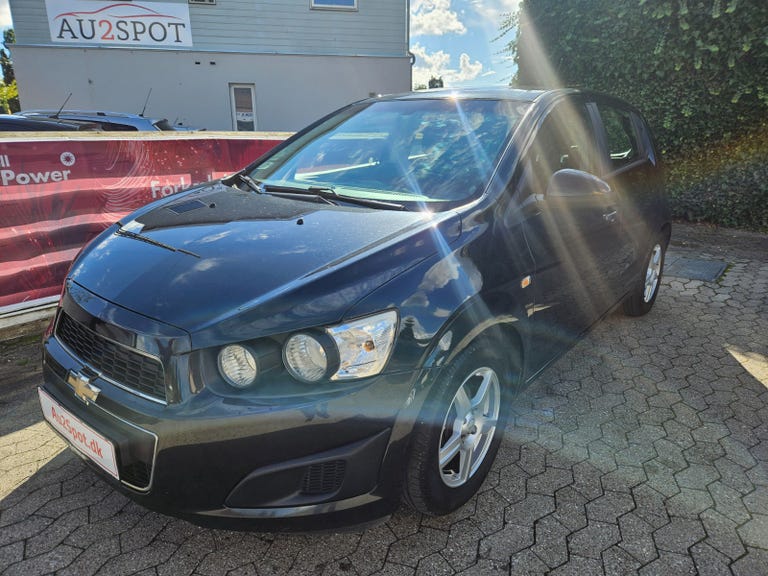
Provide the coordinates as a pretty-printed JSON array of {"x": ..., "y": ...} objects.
[
  {"x": 364, "y": 345},
  {"x": 355, "y": 349},
  {"x": 310, "y": 356},
  {"x": 238, "y": 366}
]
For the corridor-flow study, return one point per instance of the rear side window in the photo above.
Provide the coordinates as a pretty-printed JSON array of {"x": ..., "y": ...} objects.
[{"x": 622, "y": 139}]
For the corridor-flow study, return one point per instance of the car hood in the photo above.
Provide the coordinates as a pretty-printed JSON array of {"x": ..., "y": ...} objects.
[{"x": 238, "y": 264}]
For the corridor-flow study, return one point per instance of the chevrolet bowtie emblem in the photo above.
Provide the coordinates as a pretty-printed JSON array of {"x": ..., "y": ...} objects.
[{"x": 82, "y": 386}]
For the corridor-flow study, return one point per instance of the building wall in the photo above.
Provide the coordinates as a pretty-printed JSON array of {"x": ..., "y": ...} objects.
[
  {"x": 193, "y": 87},
  {"x": 377, "y": 27}
]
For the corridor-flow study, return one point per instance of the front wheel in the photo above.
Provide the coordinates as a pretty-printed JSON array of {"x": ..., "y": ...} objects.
[
  {"x": 643, "y": 295},
  {"x": 455, "y": 441}
]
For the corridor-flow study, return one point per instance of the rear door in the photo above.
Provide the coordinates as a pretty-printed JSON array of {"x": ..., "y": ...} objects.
[{"x": 627, "y": 165}]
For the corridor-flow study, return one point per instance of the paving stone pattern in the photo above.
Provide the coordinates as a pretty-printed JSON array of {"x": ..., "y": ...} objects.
[{"x": 642, "y": 451}]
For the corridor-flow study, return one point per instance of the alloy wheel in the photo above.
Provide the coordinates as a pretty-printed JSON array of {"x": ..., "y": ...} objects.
[
  {"x": 653, "y": 273},
  {"x": 469, "y": 427}
]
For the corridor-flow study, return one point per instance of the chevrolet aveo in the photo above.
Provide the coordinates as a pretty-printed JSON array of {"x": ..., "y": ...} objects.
[{"x": 343, "y": 324}]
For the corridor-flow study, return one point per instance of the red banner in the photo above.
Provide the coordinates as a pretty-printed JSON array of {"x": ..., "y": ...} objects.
[{"x": 55, "y": 195}]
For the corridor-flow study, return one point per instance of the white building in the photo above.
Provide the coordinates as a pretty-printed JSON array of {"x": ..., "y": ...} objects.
[{"x": 217, "y": 64}]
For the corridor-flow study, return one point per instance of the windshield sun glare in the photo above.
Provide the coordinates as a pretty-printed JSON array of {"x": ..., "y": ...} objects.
[{"x": 423, "y": 151}]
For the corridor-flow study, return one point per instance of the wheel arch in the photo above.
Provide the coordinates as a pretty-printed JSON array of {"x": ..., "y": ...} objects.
[
  {"x": 423, "y": 485},
  {"x": 666, "y": 232},
  {"x": 478, "y": 320}
]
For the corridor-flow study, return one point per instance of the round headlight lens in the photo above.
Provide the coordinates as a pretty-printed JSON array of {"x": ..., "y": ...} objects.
[
  {"x": 238, "y": 366},
  {"x": 305, "y": 357}
]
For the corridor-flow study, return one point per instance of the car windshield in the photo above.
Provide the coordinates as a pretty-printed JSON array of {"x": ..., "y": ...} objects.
[
  {"x": 163, "y": 124},
  {"x": 426, "y": 151}
]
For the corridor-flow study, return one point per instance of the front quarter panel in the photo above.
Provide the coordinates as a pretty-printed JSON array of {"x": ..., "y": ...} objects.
[{"x": 467, "y": 288}]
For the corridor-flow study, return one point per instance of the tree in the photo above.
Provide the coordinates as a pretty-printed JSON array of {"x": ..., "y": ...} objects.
[
  {"x": 9, "y": 37},
  {"x": 436, "y": 82},
  {"x": 9, "y": 98},
  {"x": 9, "y": 93}
]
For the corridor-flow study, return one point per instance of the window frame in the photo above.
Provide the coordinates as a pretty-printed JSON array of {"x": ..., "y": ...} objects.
[
  {"x": 609, "y": 168},
  {"x": 339, "y": 6},
  {"x": 233, "y": 105},
  {"x": 527, "y": 176}
]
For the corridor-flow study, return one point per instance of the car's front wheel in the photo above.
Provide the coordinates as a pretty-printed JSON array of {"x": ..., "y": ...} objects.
[
  {"x": 455, "y": 441},
  {"x": 643, "y": 295}
]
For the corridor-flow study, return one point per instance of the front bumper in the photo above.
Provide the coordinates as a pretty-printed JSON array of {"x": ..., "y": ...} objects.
[{"x": 318, "y": 464}]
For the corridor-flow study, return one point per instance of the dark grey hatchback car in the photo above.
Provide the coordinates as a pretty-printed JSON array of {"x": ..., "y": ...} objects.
[{"x": 344, "y": 323}]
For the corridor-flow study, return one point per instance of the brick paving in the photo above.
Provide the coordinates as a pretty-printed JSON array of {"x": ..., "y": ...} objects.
[{"x": 642, "y": 451}]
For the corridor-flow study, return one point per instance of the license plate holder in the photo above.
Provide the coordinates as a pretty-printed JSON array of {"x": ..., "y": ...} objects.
[{"x": 79, "y": 435}]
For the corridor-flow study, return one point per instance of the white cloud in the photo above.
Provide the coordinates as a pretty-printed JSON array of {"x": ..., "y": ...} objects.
[
  {"x": 493, "y": 11},
  {"x": 434, "y": 18},
  {"x": 468, "y": 70},
  {"x": 438, "y": 65},
  {"x": 428, "y": 64},
  {"x": 5, "y": 15}
]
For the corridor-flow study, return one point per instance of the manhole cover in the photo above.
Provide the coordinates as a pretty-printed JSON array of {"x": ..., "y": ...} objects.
[{"x": 694, "y": 269}]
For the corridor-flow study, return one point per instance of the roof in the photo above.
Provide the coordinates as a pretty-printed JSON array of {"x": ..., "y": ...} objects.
[
  {"x": 97, "y": 113},
  {"x": 494, "y": 92},
  {"x": 135, "y": 121},
  {"x": 507, "y": 93},
  {"x": 11, "y": 122}
]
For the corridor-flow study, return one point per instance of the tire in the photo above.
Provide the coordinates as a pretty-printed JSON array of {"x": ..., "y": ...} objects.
[
  {"x": 640, "y": 300},
  {"x": 462, "y": 422}
]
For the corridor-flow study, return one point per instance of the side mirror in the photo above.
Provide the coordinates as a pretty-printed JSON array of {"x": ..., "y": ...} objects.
[{"x": 570, "y": 183}]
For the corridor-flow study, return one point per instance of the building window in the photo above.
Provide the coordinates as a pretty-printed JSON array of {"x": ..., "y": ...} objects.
[
  {"x": 333, "y": 4},
  {"x": 243, "y": 101}
]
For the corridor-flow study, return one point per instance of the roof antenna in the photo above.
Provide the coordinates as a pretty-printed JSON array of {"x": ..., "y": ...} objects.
[
  {"x": 146, "y": 102},
  {"x": 62, "y": 106}
]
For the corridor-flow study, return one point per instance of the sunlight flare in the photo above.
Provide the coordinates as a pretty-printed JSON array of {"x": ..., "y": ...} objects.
[{"x": 16, "y": 464}]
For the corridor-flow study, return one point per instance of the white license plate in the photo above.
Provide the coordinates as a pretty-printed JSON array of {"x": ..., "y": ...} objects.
[{"x": 81, "y": 436}]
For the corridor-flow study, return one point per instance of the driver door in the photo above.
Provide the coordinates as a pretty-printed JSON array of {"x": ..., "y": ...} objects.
[{"x": 573, "y": 230}]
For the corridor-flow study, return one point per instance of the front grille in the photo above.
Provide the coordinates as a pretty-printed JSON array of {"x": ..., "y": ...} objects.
[
  {"x": 115, "y": 361},
  {"x": 324, "y": 478}
]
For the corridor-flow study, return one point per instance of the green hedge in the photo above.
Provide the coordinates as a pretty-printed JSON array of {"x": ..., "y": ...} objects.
[
  {"x": 724, "y": 184},
  {"x": 698, "y": 70}
]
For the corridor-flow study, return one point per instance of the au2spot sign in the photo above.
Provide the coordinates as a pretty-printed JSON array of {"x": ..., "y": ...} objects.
[{"x": 128, "y": 24}]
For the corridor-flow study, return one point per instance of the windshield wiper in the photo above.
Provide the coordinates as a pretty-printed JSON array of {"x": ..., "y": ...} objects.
[
  {"x": 323, "y": 194},
  {"x": 250, "y": 182},
  {"x": 260, "y": 188},
  {"x": 328, "y": 193},
  {"x": 129, "y": 234}
]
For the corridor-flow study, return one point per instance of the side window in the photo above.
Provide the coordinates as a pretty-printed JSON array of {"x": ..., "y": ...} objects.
[
  {"x": 621, "y": 137},
  {"x": 565, "y": 139}
]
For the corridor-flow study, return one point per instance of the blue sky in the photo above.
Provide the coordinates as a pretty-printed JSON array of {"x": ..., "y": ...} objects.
[
  {"x": 456, "y": 40},
  {"x": 5, "y": 15},
  {"x": 452, "y": 39}
]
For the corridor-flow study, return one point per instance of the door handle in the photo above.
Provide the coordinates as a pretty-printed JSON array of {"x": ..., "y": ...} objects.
[{"x": 610, "y": 217}]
